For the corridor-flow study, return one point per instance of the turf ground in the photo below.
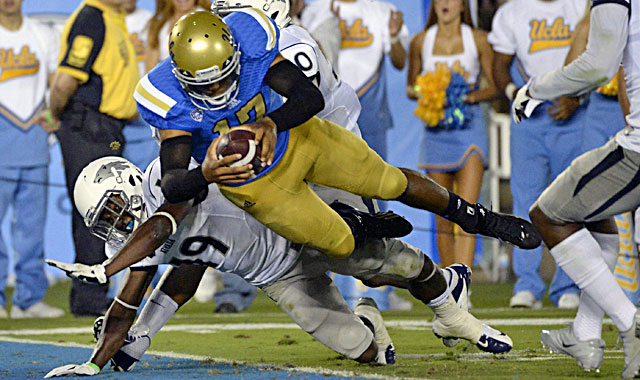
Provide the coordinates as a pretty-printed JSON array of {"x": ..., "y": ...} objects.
[{"x": 262, "y": 343}]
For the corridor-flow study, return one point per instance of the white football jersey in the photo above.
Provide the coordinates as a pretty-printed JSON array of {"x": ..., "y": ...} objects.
[
  {"x": 27, "y": 57},
  {"x": 364, "y": 25},
  {"x": 137, "y": 25},
  {"x": 538, "y": 33},
  {"x": 341, "y": 104},
  {"x": 218, "y": 234},
  {"x": 629, "y": 138}
]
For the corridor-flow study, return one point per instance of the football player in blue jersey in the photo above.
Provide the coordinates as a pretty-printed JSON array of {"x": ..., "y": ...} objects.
[{"x": 220, "y": 75}]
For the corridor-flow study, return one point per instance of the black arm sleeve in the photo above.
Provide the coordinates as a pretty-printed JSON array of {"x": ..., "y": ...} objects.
[
  {"x": 304, "y": 100},
  {"x": 179, "y": 184}
]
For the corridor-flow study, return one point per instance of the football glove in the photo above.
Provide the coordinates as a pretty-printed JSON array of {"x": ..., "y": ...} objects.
[
  {"x": 91, "y": 274},
  {"x": 523, "y": 105},
  {"x": 86, "y": 369}
]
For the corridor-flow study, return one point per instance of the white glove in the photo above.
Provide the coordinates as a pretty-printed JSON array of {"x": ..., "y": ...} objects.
[
  {"x": 92, "y": 274},
  {"x": 86, "y": 369},
  {"x": 523, "y": 105}
]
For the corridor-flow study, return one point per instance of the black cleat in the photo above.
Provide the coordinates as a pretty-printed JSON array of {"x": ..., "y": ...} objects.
[
  {"x": 509, "y": 228},
  {"x": 379, "y": 225}
]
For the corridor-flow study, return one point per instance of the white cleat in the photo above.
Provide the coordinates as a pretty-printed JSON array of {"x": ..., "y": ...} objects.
[
  {"x": 569, "y": 301},
  {"x": 631, "y": 347},
  {"x": 588, "y": 353},
  {"x": 526, "y": 300},
  {"x": 367, "y": 310}
]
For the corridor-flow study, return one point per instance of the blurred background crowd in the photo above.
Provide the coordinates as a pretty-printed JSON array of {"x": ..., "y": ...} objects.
[{"x": 434, "y": 78}]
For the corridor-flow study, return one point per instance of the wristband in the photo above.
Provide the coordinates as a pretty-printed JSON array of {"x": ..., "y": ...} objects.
[
  {"x": 121, "y": 302},
  {"x": 509, "y": 91},
  {"x": 92, "y": 365},
  {"x": 174, "y": 225},
  {"x": 394, "y": 39}
]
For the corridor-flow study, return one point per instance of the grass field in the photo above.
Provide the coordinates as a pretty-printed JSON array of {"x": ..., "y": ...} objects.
[{"x": 264, "y": 335}]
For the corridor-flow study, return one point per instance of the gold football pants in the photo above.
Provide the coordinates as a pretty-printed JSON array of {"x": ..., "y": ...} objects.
[{"x": 326, "y": 154}]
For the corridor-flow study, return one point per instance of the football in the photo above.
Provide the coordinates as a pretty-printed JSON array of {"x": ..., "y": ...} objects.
[{"x": 240, "y": 141}]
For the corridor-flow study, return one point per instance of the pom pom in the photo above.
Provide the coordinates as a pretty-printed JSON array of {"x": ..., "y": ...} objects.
[
  {"x": 441, "y": 103},
  {"x": 611, "y": 88}
]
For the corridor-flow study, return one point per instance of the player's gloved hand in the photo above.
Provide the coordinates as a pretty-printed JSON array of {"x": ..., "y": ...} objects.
[
  {"x": 266, "y": 132},
  {"x": 86, "y": 369},
  {"x": 523, "y": 105},
  {"x": 92, "y": 274}
]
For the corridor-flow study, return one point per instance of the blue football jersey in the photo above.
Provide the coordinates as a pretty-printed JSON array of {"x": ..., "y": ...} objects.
[{"x": 165, "y": 105}]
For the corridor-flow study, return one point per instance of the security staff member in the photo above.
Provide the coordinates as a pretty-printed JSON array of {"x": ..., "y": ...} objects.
[{"x": 92, "y": 97}]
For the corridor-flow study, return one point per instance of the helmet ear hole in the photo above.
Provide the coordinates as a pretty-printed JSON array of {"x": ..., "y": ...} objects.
[
  {"x": 274, "y": 15},
  {"x": 132, "y": 181}
]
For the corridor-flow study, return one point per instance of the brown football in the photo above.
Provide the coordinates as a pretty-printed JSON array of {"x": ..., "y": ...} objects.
[{"x": 240, "y": 141}]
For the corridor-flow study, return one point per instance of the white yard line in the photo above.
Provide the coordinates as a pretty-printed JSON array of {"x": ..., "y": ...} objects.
[{"x": 215, "y": 327}]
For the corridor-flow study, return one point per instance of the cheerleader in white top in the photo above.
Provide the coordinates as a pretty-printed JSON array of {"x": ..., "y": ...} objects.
[{"x": 453, "y": 154}]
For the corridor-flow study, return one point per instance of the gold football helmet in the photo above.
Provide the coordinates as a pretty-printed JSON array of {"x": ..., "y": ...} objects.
[{"x": 206, "y": 59}]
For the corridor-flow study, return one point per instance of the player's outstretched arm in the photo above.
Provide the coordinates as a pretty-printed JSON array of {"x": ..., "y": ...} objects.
[{"x": 118, "y": 320}]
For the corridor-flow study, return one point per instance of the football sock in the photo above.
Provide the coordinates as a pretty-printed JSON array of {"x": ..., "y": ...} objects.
[
  {"x": 157, "y": 312},
  {"x": 580, "y": 257},
  {"x": 461, "y": 213},
  {"x": 588, "y": 322}
]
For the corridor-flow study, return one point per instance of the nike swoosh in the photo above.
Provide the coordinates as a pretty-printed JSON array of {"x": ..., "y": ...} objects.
[
  {"x": 483, "y": 344},
  {"x": 567, "y": 345}
]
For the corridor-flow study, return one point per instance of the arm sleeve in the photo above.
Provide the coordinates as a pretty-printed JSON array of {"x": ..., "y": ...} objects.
[
  {"x": 83, "y": 44},
  {"x": 179, "y": 184},
  {"x": 501, "y": 36},
  {"x": 597, "y": 64},
  {"x": 304, "y": 99}
]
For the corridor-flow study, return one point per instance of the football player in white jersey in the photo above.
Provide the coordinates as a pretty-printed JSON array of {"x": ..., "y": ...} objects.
[
  {"x": 215, "y": 232},
  {"x": 579, "y": 205}
]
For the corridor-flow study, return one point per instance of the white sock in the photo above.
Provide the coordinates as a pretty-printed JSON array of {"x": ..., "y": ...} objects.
[
  {"x": 157, "y": 312},
  {"x": 581, "y": 258},
  {"x": 588, "y": 322},
  {"x": 442, "y": 298}
]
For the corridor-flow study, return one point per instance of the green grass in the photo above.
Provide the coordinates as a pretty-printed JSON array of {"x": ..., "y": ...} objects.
[{"x": 292, "y": 347}]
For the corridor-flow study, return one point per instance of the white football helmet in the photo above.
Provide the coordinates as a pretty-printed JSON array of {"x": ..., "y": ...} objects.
[
  {"x": 108, "y": 194},
  {"x": 278, "y": 10}
]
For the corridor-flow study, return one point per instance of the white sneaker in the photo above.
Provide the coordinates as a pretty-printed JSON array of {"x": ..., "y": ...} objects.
[
  {"x": 367, "y": 309},
  {"x": 525, "y": 299},
  {"x": 569, "y": 301},
  {"x": 398, "y": 303},
  {"x": 37, "y": 310},
  {"x": 207, "y": 287},
  {"x": 3, "y": 313},
  {"x": 631, "y": 346}
]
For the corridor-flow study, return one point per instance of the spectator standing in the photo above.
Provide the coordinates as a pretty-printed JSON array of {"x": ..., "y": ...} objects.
[
  {"x": 29, "y": 56},
  {"x": 166, "y": 15},
  {"x": 455, "y": 158},
  {"x": 370, "y": 30},
  {"x": 538, "y": 33},
  {"x": 141, "y": 148},
  {"x": 92, "y": 95}
]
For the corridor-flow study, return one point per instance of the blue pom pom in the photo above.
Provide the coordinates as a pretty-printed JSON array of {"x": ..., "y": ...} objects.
[{"x": 456, "y": 111}]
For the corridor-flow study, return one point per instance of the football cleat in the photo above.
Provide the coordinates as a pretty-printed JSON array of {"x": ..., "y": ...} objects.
[
  {"x": 135, "y": 345},
  {"x": 379, "y": 225},
  {"x": 508, "y": 228},
  {"x": 367, "y": 310},
  {"x": 461, "y": 324},
  {"x": 631, "y": 347},
  {"x": 588, "y": 353},
  {"x": 458, "y": 282}
]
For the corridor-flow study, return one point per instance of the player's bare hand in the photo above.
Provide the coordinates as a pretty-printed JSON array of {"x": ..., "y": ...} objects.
[
  {"x": 395, "y": 23},
  {"x": 563, "y": 108},
  {"x": 47, "y": 121},
  {"x": 335, "y": 9},
  {"x": 265, "y": 131},
  {"x": 218, "y": 170}
]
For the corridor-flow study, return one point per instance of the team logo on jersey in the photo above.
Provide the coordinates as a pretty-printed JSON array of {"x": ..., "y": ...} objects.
[
  {"x": 138, "y": 45},
  {"x": 356, "y": 35},
  {"x": 545, "y": 36},
  {"x": 248, "y": 204},
  {"x": 197, "y": 115},
  {"x": 14, "y": 65},
  {"x": 80, "y": 50},
  {"x": 107, "y": 171}
]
